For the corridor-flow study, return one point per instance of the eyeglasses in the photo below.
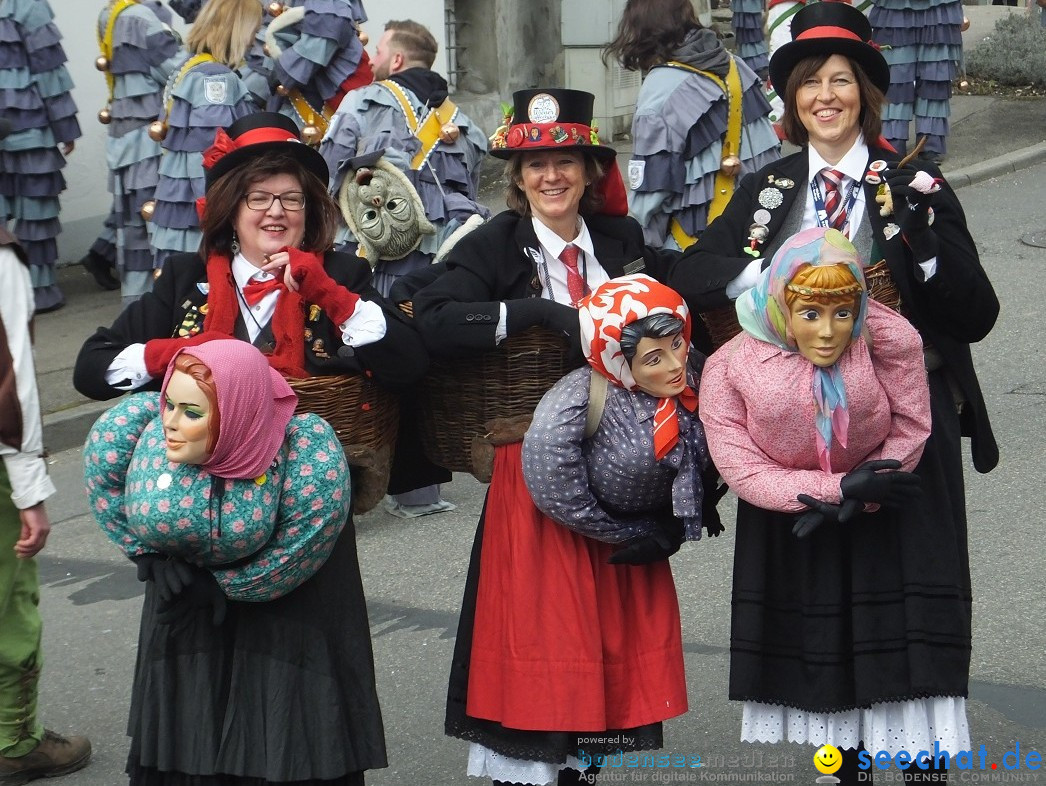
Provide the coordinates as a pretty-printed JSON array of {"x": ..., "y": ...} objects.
[{"x": 262, "y": 200}]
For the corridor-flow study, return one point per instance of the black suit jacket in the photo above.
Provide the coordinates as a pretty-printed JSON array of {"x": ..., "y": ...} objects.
[
  {"x": 955, "y": 307},
  {"x": 396, "y": 361},
  {"x": 459, "y": 311}
]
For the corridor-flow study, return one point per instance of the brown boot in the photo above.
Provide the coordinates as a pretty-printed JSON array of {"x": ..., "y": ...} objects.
[{"x": 55, "y": 755}]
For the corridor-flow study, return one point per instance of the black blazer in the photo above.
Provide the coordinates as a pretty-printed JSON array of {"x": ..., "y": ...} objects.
[
  {"x": 955, "y": 307},
  {"x": 459, "y": 311},
  {"x": 396, "y": 361}
]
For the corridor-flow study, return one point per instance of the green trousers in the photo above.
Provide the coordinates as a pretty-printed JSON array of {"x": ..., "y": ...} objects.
[{"x": 20, "y": 654}]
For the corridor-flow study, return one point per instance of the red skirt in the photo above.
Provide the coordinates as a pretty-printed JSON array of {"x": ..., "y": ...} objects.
[{"x": 564, "y": 641}]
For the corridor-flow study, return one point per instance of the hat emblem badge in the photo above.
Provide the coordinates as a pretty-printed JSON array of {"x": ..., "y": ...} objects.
[{"x": 543, "y": 108}]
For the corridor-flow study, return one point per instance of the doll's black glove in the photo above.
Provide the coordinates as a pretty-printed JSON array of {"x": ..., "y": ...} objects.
[
  {"x": 822, "y": 512},
  {"x": 714, "y": 491},
  {"x": 201, "y": 591},
  {"x": 891, "y": 488},
  {"x": 911, "y": 211},
  {"x": 169, "y": 574},
  {"x": 660, "y": 544}
]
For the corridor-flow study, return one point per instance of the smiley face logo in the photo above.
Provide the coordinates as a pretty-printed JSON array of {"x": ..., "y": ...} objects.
[{"x": 828, "y": 759}]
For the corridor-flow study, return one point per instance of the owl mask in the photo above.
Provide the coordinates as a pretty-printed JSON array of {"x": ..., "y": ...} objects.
[{"x": 383, "y": 211}]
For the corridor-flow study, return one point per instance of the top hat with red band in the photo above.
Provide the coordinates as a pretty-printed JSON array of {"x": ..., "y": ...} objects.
[
  {"x": 830, "y": 28},
  {"x": 253, "y": 135},
  {"x": 552, "y": 118}
]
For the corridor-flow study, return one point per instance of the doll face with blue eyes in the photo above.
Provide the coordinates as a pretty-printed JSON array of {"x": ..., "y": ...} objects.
[
  {"x": 186, "y": 420},
  {"x": 822, "y": 330},
  {"x": 659, "y": 366}
]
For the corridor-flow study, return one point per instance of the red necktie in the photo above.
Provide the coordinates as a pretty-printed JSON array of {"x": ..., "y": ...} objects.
[
  {"x": 575, "y": 283},
  {"x": 833, "y": 181},
  {"x": 256, "y": 290},
  {"x": 666, "y": 421}
]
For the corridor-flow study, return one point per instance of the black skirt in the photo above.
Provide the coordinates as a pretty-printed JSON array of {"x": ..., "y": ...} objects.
[
  {"x": 872, "y": 611},
  {"x": 282, "y": 692},
  {"x": 545, "y": 746}
]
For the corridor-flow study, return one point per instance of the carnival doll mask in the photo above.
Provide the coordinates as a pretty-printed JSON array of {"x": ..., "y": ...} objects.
[
  {"x": 384, "y": 212},
  {"x": 659, "y": 366},
  {"x": 187, "y": 420},
  {"x": 822, "y": 330}
]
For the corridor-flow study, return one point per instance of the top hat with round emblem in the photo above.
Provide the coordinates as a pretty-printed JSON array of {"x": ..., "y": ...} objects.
[
  {"x": 551, "y": 118},
  {"x": 253, "y": 135},
  {"x": 830, "y": 28}
]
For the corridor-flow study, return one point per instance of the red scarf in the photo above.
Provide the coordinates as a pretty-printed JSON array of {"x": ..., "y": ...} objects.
[{"x": 288, "y": 321}]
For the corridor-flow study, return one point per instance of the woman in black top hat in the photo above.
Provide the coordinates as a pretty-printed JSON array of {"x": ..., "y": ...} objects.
[
  {"x": 885, "y": 659},
  {"x": 541, "y": 690},
  {"x": 284, "y": 690}
]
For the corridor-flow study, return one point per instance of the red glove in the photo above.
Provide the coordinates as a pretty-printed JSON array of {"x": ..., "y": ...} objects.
[
  {"x": 316, "y": 286},
  {"x": 159, "y": 351}
]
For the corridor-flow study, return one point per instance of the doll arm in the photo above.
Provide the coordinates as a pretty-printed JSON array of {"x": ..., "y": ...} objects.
[
  {"x": 897, "y": 357},
  {"x": 313, "y": 508},
  {"x": 107, "y": 457},
  {"x": 555, "y": 467},
  {"x": 753, "y": 475}
]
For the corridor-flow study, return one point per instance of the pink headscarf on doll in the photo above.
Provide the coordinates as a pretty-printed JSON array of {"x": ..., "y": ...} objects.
[{"x": 255, "y": 403}]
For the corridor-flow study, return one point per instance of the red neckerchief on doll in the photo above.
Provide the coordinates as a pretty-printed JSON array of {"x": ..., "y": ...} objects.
[{"x": 611, "y": 307}]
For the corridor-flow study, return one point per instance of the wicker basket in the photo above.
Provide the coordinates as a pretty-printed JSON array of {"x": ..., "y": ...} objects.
[
  {"x": 365, "y": 417},
  {"x": 460, "y": 397},
  {"x": 722, "y": 322}
]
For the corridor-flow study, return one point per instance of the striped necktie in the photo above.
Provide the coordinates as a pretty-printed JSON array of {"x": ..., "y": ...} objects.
[{"x": 834, "y": 206}]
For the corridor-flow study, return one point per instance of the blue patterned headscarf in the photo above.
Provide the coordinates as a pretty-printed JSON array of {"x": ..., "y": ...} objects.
[{"x": 763, "y": 313}]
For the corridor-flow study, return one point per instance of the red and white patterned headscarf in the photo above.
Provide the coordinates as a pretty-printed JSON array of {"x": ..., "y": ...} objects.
[{"x": 610, "y": 308}]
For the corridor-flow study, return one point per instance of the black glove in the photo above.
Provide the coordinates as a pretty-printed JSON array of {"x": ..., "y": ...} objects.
[
  {"x": 887, "y": 488},
  {"x": 170, "y": 574},
  {"x": 201, "y": 591},
  {"x": 821, "y": 512},
  {"x": 714, "y": 491},
  {"x": 911, "y": 211},
  {"x": 660, "y": 544}
]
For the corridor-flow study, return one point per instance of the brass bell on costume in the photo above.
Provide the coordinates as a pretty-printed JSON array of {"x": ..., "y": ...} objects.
[
  {"x": 449, "y": 133},
  {"x": 364, "y": 38},
  {"x": 158, "y": 130},
  {"x": 101, "y": 63},
  {"x": 730, "y": 165},
  {"x": 105, "y": 117},
  {"x": 281, "y": 90},
  {"x": 311, "y": 135},
  {"x": 275, "y": 9},
  {"x": 148, "y": 209}
]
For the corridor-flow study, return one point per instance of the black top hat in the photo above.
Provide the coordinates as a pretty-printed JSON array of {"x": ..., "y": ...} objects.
[
  {"x": 551, "y": 118},
  {"x": 830, "y": 28},
  {"x": 5, "y": 127},
  {"x": 253, "y": 135}
]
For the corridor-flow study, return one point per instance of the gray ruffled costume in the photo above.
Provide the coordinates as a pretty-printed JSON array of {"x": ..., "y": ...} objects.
[
  {"x": 677, "y": 137},
  {"x": 144, "y": 51},
  {"x": 35, "y": 96}
]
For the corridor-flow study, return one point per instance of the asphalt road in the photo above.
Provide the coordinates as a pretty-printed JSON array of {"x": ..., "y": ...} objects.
[{"x": 414, "y": 573}]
